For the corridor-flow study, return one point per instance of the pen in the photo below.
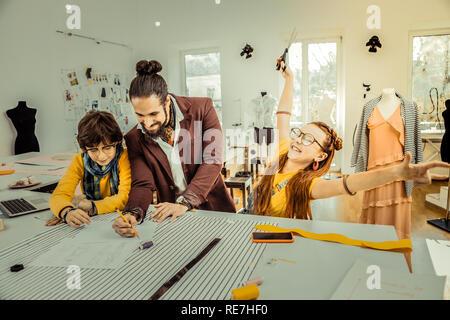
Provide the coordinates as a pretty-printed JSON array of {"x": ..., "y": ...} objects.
[{"x": 126, "y": 221}]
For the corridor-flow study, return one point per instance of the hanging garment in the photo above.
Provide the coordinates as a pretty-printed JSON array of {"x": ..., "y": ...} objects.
[
  {"x": 261, "y": 112},
  {"x": 264, "y": 135}
]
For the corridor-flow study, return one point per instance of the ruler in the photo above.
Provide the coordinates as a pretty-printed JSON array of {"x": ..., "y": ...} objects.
[{"x": 166, "y": 286}]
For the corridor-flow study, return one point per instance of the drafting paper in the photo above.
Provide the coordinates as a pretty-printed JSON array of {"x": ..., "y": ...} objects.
[{"x": 87, "y": 254}]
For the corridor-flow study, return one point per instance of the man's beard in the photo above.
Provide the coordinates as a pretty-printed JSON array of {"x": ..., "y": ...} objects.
[{"x": 161, "y": 130}]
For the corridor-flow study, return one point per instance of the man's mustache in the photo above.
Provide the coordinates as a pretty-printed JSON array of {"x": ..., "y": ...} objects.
[{"x": 156, "y": 134}]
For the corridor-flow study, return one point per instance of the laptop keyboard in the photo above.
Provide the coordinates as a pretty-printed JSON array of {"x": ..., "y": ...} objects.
[{"x": 17, "y": 206}]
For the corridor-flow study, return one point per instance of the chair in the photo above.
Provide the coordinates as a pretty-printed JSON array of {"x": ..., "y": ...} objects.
[
  {"x": 242, "y": 183},
  {"x": 255, "y": 162},
  {"x": 224, "y": 170}
]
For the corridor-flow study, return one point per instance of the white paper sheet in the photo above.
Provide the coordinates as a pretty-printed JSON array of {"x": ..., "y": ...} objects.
[
  {"x": 394, "y": 285},
  {"x": 97, "y": 246},
  {"x": 440, "y": 257},
  {"x": 87, "y": 254}
]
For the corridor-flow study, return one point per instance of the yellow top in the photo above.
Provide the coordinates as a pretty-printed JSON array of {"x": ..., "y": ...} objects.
[
  {"x": 63, "y": 195},
  {"x": 278, "y": 201}
]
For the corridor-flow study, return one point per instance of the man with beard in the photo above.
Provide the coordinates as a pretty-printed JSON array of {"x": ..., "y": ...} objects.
[{"x": 175, "y": 151}]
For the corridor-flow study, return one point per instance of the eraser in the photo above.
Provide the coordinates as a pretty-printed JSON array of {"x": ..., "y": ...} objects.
[
  {"x": 258, "y": 281},
  {"x": 146, "y": 245}
]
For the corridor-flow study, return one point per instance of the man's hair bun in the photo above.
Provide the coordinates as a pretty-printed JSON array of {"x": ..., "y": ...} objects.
[{"x": 145, "y": 67}]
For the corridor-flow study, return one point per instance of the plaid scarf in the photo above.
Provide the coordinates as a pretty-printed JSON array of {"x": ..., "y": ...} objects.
[
  {"x": 93, "y": 173},
  {"x": 169, "y": 134}
]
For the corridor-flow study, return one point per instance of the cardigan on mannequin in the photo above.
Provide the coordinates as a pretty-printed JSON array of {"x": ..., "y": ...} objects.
[{"x": 413, "y": 139}]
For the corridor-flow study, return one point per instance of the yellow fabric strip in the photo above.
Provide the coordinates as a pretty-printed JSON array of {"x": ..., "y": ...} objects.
[{"x": 403, "y": 246}]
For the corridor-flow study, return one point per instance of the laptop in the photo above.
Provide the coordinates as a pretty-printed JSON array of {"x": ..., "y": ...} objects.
[{"x": 31, "y": 203}]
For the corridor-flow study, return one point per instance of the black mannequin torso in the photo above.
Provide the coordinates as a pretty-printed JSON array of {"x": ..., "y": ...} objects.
[
  {"x": 24, "y": 120},
  {"x": 445, "y": 145}
]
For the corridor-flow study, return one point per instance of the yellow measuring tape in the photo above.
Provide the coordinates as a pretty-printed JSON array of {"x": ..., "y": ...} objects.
[{"x": 403, "y": 246}]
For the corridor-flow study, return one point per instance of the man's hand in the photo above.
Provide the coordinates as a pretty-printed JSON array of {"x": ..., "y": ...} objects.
[
  {"x": 76, "y": 218},
  {"x": 125, "y": 229},
  {"x": 166, "y": 209}
]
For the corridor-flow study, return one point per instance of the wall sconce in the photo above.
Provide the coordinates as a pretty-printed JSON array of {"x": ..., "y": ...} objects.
[
  {"x": 373, "y": 43},
  {"x": 247, "y": 50},
  {"x": 367, "y": 88}
]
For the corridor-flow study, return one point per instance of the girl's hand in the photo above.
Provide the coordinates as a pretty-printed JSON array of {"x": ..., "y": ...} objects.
[
  {"x": 419, "y": 172},
  {"x": 287, "y": 74}
]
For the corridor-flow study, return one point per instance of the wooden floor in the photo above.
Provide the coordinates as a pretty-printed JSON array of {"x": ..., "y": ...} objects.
[{"x": 348, "y": 208}]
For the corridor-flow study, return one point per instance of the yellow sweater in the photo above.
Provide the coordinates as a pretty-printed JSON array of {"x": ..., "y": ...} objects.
[{"x": 63, "y": 195}]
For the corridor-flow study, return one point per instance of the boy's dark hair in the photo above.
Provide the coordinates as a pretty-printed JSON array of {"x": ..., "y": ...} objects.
[
  {"x": 148, "y": 82},
  {"x": 96, "y": 127}
]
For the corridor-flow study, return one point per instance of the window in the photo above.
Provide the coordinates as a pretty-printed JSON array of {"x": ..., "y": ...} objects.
[
  {"x": 316, "y": 87},
  {"x": 202, "y": 76},
  {"x": 430, "y": 78}
]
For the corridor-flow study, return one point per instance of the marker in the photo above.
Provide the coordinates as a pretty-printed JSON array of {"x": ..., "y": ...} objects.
[{"x": 146, "y": 245}]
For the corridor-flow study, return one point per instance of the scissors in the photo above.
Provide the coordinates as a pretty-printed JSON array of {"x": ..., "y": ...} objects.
[{"x": 283, "y": 57}]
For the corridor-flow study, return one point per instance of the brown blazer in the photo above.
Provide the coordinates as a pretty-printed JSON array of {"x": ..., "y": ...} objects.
[{"x": 150, "y": 169}]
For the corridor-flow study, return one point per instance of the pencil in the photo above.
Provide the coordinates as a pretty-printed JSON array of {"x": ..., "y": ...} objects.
[{"x": 126, "y": 221}]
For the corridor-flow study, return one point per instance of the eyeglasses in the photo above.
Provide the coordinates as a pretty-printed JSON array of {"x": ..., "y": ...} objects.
[
  {"x": 108, "y": 149},
  {"x": 306, "y": 139}
]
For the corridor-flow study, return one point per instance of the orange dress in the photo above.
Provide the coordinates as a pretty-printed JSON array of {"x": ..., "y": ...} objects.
[{"x": 388, "y": 204}]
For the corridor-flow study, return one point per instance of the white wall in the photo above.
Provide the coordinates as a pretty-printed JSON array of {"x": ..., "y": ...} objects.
[
  {"x": 266, "y": 25},
  {"x": 32, "y": 53}
]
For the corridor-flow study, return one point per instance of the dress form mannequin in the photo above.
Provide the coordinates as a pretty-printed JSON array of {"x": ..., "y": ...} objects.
[
  {"x": 444, "y": 223},
  {"x": 24, "y": 120},
  {"x": 445, "y": 145},
  {"x": 388, "y": 204},
  {"x": 389, "y": 102}
]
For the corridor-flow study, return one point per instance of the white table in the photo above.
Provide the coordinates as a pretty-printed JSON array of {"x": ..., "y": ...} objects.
[
  {"x": 434, "y": 140},
  {"x": 314, "y": 272}
]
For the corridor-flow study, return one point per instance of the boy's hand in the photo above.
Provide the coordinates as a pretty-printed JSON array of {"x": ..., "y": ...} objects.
[{"x": 76, "y": 218}]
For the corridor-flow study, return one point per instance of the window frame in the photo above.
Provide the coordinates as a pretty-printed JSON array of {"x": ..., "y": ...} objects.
[
  {"x": 199, "y": 51},
  {"x": 419, "y": 33},
  {"x": 340, "y": 88}
]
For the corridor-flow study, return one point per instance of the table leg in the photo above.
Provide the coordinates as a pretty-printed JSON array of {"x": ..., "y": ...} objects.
[{"x": 244, "y": 197}]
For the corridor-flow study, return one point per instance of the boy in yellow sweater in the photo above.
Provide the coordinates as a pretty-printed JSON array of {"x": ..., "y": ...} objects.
[{"x": 102, "y": 169}]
